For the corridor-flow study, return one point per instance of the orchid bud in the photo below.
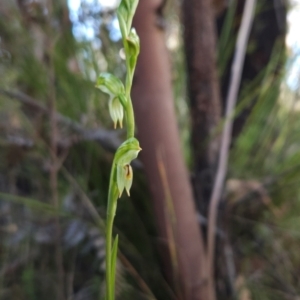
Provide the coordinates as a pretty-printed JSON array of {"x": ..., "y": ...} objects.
[
  {"x": 133, "y": 47},
  {"x": 125, "y": 14}
]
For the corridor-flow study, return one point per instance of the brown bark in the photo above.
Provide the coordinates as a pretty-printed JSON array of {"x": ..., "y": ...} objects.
[
  {"x": 203, "y": 90},
  {"x": 178, "y": 230}
]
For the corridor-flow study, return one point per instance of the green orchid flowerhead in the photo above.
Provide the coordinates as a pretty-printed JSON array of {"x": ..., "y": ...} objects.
[
  {"x": 114, "y": 87},
  {"x": 110, "y": 84},
  {"x": 127, "y": 152}
]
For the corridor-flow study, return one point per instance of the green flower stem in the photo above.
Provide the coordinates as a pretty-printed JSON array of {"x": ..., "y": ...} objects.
[
  {"x": 109, "y": 282},
  {"x": 128, "y": 84},
  {"x": 110, "y": 216},
  {"x": 130, "y": 118}
]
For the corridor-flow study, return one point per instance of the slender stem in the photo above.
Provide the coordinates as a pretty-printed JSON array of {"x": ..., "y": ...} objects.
[
  {"x": 111, "y": 211},
  {"x": 130, "y": 119},
  {"x": 109, "y": 227},
  {"x": 129, "y": 108},
  {"x": 58, "y": 254}
]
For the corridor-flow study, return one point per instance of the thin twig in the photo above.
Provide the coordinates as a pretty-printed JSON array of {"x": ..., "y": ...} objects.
[
  {"x": 235, "y": 79},
  {"x": 53, "y": 147},
  {"x": 108, "y": 139},
  {"x": 133, "y": 272}
]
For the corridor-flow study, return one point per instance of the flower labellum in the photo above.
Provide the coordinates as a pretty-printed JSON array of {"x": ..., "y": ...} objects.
[
  {"x": 129, "y": 178},
  {"x": 124, "y": 178}
]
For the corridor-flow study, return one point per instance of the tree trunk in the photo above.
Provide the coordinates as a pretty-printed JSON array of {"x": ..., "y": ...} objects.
[
  {"x": 178, "y": 229},
  {"x": 203, "y": 90}
]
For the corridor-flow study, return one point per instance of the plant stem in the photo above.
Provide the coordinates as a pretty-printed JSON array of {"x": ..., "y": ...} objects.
[
  {"x": 130, "y": 118},
  {"x": 129, "y": 108},
  {"x": 109, "y": 227},
  {"x": 111, "y": 211}
]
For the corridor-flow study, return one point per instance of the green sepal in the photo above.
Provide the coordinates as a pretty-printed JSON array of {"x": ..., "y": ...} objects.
[
  {"x": 110, "y": 84},
  {"x": 121, "y": 178},
  {"x": 125, "y": 12},
  {"x": 127, "y": 151},
  {"x": 114, "y": 253},
  {"x": 116, "y": 111}
]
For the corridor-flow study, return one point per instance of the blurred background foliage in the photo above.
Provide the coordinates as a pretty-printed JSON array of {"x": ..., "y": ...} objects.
[{"x": 259, "y": 238}]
